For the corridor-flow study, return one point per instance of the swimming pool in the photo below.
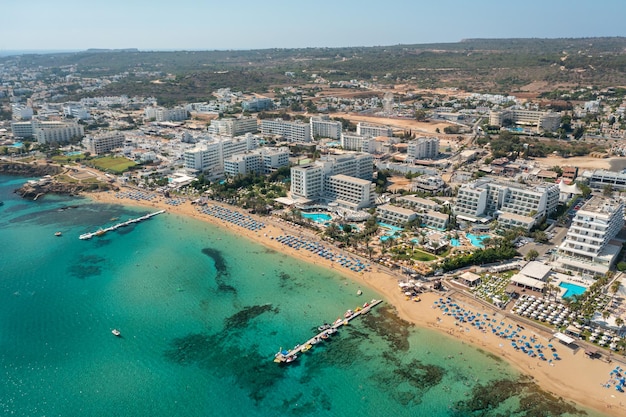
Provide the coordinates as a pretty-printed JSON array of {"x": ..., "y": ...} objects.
[
  {"x": 390, "y": 227},
  {"x": 74, "y": 153},
  {"x": 476, "y": 240},
  {"x": 17, "y": 145},
  {"x": 317, "y": 217},
  {"x": 455, "y": 242},
  {"x": 572, "y": 289}
]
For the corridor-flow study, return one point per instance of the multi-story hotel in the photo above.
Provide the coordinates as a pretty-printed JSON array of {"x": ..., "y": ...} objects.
[
  {"x": 104, "y": 143},
  {"x": 394, "y": 215},
  {"x": 423, "y": 148},
  {"x": 353, "y": 142},
  {"x": 344, "y": 179},
  {"x": 323, "y": 127},
  {"x": 546, "y": 120},
  {"x": 601, "y": 178},
  {"x": 233, "y": 127},
  {"x": 56, "y": 132},
  {"x": 257, "y": 104},
  {"x": 161, "y": 114},
  {"x": 290, "y": 131},
  {"x": 515, "y": 205},
  {"x": 260, "y": 161},
  {"x": 363, "y": 129},
  {"x": 209, "y": 155},
  {"x": 587, "y": 247}
]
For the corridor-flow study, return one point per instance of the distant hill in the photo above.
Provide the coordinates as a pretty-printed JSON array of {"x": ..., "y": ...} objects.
[{"x": 489, "y": 65}]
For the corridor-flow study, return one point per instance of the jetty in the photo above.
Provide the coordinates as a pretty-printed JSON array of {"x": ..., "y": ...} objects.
[
  {"x": 288, "y": 356},
  {"x": 100, "y": 232}
]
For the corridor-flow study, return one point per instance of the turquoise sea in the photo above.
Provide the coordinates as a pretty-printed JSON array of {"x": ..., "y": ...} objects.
[{"x": 202, "y": 313}]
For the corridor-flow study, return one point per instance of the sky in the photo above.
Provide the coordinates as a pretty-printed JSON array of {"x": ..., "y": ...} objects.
[{"x": 257, "y": 24}]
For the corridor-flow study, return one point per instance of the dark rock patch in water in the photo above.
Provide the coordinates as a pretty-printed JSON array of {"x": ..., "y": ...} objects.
[
  {"x": 242, "y": 318},
  {"x": 222, "y": 270},
  {"x": 221, "y": 355},
  {"x": 390, "y": 327},
  {"x": 87, "y": 266},
  {"x": 533, "y": 401}
]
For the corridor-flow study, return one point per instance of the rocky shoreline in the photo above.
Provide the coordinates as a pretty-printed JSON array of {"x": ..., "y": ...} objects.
[{"x": 46, "y": 186}]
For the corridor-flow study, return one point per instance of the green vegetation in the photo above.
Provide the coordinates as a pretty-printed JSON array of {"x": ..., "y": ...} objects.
[
  {"x": 115, "y": 165},
  {"x": 505, "y": 250}
]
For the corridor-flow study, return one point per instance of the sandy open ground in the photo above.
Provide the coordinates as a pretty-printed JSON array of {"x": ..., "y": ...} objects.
[
  {"x": 582, "y": 162},
  {"x": 575, "y": 377}
]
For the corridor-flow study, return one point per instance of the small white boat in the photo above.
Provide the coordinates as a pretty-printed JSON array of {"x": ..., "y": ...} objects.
[
  {"x": 359, "y": 292},
  {"x": 116, "y": 333},
  {"x": 58, "y": 234}
]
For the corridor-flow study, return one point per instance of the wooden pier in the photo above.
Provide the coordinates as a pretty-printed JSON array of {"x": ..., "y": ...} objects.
[
  {"x": 100, "y": 232},
  {"x": 287, "y": 356}
]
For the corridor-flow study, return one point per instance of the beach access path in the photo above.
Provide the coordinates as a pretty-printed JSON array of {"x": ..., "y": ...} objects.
[{"x": 575, "y": 377}]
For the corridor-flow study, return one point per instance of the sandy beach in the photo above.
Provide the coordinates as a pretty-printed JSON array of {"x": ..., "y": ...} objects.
[{"x": 575, "y": 377}]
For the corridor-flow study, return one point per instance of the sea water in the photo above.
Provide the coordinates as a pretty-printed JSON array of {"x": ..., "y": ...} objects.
[{"x": 202, "y": 313}]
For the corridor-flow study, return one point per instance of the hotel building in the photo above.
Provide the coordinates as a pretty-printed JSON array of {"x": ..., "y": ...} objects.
[
  {"x": 344, "y": 179},
  {"x": 105, "y": 143},
  {"x": 233, "y": 127},
  {"x": 423, "y": 148},
  {"x": 290, "y": 131},
  {"x": 209, "y": 155},
  {"x": 260, "y": 161},
  {"x": 588, "y": 246},
  {"x": 56, "y": 132},
  {"x": 514, "y": 205},
  {"x": 546, "y": 120},
  {"x": 363, "y": 129},
  {"x": 323, "y": 127}
]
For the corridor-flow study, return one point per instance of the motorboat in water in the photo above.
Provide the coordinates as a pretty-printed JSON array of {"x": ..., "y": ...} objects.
[
  {"x": 58, "y": 234},
  {"x": 116, "y": 333}
]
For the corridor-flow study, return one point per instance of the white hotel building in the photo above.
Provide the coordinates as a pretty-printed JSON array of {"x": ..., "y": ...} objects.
[
  {"x": 323, "y": 127},
  {"x": 290, "y": 131},
  {"x": 209, "y": 155},
  {"x": 260, "y": 161},
  {"x": 343, "y": 179},
  {"x": 514, "y": 205},
  {"x": 233, "y": 127},
  {"x": 545, "y": 120},
  {"x": 363, "y": 129},
  {"x": 423, "y": 148},
  {"x": 588, "y": 246},
  {"x": 104, "y": 143}
]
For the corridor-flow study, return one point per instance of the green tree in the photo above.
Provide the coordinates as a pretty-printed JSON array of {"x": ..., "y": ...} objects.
[
  {"x": 420, "y": 115},
  {"x": 531, "y": 255}
]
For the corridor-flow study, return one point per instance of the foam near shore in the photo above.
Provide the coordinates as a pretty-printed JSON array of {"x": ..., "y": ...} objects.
[{"x": 574, "y": 377}]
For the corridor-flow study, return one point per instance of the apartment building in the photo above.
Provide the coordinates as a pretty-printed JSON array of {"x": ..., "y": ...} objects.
[
  {"x": 588, "y": 246},
  {"x": 545, "y": 120},
  {"x": 76, "y": 110},
  {"x": 514, "y": 204},
  {"x": 209, "y": 155},
  {"x": 104, "y": 143},
  {"x": 423, "y": 148},
  {"x": 290, "y": 131},
  {"x": 22, "y": 129},
  {"x": 260, "y": 161},
  {"x": 364, "y": 129},
  {"x": 323, "y": 127},
  {"x": 233, "y": 127}
]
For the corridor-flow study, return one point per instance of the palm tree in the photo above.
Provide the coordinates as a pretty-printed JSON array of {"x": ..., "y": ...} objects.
[{"x": 615, "y": 286}]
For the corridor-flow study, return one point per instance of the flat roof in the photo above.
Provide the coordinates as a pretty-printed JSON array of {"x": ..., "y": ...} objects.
[
  {"x": 527, "y": 281},
  {"x": 396, "y": 209},
  {"x": 469, "y": 276},
  {"x": 563, "y": 338},
  {"x": 536, "y": 270}
]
